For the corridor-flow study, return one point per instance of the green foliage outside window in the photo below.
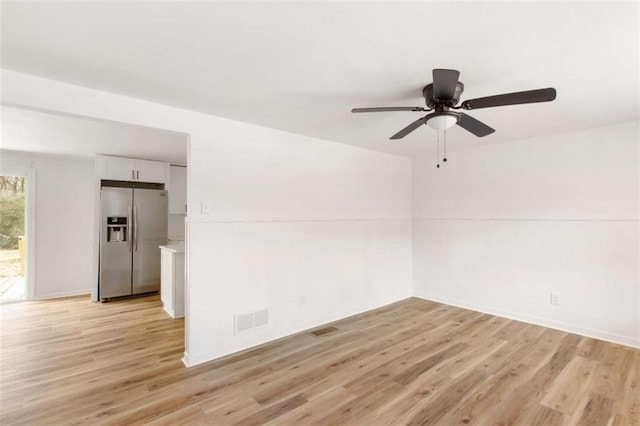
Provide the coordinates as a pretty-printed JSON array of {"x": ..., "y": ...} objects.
[{"x": 11, "y": 211}]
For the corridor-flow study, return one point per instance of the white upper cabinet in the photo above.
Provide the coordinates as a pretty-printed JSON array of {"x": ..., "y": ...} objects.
[
  {"x": 151, "y": 171},
  {"x": 131, "y": 169},
  {"x": 117, "y": 168},
  {"x": 178, "y": 190}
]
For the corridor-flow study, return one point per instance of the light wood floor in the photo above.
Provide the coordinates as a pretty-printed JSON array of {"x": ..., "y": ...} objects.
[{"x": 71, "y": 361}]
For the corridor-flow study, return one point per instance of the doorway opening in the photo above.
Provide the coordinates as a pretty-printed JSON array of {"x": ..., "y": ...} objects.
[{"x": 13, "y": 250}]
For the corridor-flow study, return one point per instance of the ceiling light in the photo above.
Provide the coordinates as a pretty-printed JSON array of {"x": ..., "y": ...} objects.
[{"x": 442, "y": 120}]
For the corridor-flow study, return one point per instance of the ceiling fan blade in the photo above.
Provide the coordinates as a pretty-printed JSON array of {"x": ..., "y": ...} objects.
[
  {"x": 474, "y": 126},
  {"x": 385, "y": 109},
  {"x": 444, "y": 83},
  {"x": 410, "y": 128},
  {"x": 528, "y": 97}
]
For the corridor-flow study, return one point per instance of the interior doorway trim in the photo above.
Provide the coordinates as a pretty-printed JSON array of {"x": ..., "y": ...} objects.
[{"x": 29, "y": 174}]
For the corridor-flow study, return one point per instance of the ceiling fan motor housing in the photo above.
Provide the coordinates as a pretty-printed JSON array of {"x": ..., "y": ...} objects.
[{"x": 432, "y": 102}]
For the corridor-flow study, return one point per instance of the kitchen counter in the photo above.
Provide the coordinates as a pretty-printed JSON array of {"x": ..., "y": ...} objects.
[{"x": 174, "y": 248}]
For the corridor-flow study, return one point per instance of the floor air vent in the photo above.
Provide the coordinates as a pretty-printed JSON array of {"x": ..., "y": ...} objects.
[
  {"x": 251, "y": 320},
  {"x": 322, "y": 331}
]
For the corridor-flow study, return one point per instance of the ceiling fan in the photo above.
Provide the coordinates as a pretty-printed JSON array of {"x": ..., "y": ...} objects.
[{"x": 442, "y": 97}]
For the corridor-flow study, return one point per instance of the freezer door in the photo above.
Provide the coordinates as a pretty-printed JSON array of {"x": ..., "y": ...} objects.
[
  {"x": 115, "y": 244},
  {"x": 150, "y": 232}
]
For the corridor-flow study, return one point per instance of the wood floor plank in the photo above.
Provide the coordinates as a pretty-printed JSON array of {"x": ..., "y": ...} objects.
[
  {"x": 475, "y": 404},
  {"x": 70, "y": 361},
  {"x": 273, "y": 411},
  {"x": 352, "y": 411},
  {"x": 613, "y": 369},
  {"x": 619, "y": 420},
  {"x": 546, "y": 416},
  {"x": 432, "y": 411},
  {"x": 316, "y": 409},
  {"x": 513, "y": 408},
  {"x": 629, "y": 406},
  {"x": 570, "y": 385},
  {"x": 230, "y": 410},
  {"x": 406, "y": 403},
  {"x": 596, "y": 411},
  {"x": 410, "y": 374}
]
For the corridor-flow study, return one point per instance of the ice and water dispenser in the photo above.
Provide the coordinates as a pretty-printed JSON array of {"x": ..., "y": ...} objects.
[{"x": 116, "y": 229}]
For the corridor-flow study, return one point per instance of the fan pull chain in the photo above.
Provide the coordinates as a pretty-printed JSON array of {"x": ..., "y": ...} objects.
[
  {"x": 438, "y": 149},
  {"x": 444, "y": 159}
]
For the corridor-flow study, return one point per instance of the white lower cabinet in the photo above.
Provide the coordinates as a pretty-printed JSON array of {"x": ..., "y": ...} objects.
[{"x": 172, "y": 280}]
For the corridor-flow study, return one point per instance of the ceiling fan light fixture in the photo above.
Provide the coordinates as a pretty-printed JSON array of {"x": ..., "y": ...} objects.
[{"x": 442, "y": 121}]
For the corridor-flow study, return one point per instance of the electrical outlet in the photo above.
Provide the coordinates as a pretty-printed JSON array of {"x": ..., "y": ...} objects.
[
  {"x": 554, "y": 299},
  {"x": 303, "y": 300}
]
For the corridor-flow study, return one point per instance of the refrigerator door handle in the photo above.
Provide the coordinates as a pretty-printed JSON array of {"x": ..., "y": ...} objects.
[
  {"x": 135, "y": 228},
  {"x": 129, "y": 233}
]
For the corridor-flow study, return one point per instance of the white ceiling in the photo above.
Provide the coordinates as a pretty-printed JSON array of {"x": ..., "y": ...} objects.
[
  {"x": 302, "y": 66},
  {"x": 34, "y": 131}
]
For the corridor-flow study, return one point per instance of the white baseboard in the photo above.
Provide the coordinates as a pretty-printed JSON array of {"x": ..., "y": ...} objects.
[
  {"x": 570, "y": 328},
  {"x": 64, "y": 294},
  {"x": 192, "y": 360},
  {"x": 186, "y": 360}
]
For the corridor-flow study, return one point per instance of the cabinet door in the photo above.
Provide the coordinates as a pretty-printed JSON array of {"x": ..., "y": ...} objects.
[
  {"x": 117, "y": 168},
  {"x": 178, "y": 190},
  {"x": 151, "y": 171}
]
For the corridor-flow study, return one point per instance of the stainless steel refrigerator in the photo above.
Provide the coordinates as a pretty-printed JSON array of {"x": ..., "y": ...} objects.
[{"x": 133, "y": 225}]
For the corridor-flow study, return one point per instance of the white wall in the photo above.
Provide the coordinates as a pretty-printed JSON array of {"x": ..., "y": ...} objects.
[
  {"x": 175, "y": 226},
  {"x": 290, "y": 216},
  {"x": 64, "y": 206},
  {"x": 295, "y": 217},
  {"x": 500, "y": 227}
]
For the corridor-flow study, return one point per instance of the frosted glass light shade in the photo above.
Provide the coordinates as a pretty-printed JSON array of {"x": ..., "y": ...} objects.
[{"x": 441, "y": 122}]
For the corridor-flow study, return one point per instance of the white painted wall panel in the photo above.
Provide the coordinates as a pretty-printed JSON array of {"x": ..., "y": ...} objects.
[
  {"x": 254, "y": 173},
  {"x": 588, "y": 175},
  {"x": 501, "y": 227},
  {"x": 338, "y": 267}
]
